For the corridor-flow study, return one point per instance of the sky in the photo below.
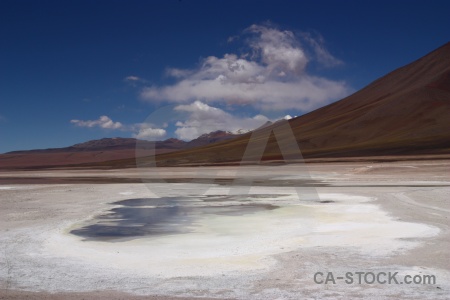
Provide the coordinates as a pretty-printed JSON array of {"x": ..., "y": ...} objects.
[{"x": 72, "y": 71}]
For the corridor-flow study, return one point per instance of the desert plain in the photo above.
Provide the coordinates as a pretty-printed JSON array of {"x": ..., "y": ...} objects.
[{"x": 228, "y": 232}]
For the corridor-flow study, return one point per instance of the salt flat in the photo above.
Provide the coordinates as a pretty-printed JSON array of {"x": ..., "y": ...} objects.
[{"x": 341, "y": 217}]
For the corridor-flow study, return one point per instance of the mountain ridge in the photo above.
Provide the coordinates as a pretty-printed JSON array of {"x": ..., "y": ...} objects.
[{"x": 100, "y": 150}]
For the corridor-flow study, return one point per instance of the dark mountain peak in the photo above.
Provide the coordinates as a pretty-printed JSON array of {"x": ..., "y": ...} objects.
[
  {"x": 173, "y": 141},
  {"x": 104, "y": 143}
]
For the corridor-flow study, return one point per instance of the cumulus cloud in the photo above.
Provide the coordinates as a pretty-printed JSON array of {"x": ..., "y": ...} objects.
[
  {"x": 150, "y": 133},
  {"x": 272, "y": 75},
  {"x": 202, "y": 118},
  {"x": 103, "y": 122},
  {"x": 279, "y": 51}
]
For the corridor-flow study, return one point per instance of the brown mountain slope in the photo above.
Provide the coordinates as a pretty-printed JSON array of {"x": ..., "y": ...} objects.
[{"x": 403, "y": 113}]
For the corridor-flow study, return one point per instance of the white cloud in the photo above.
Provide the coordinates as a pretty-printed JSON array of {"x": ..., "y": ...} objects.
[
  {"x": 132, "y": 78},
  {"x": 203, "y": 118},
  {"x": 150, "y": 133},
  {"x": 272, "y": 76},
  {"x": 103, "y": 122},
  {"x": 279, "y": 50},
  {"x": 178, "y": 73},
  {"x": 139, "y": 130}
]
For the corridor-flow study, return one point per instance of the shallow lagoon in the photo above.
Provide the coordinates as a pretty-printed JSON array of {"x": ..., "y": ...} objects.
[{"x": 133, "y": 218}]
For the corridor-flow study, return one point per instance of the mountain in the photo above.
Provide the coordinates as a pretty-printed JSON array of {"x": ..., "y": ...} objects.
[
  {"x": 97, "y": 151},
  {"x": 93, "y": 145},
  {"x": 89, "y": 152},
  {"x": 405, "y": 112},
  {"x": 104, "y": 144},
  {"x": 212, "y": 137}
]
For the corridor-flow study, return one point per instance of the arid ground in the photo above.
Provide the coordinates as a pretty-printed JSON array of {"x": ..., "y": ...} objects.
[{"x": 255, "y": 232}]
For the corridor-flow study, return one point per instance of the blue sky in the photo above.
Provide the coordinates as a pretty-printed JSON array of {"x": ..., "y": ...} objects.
[{"x": 72, "y": 71}]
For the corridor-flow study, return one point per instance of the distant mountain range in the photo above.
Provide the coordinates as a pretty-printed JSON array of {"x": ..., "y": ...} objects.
[
  {"x": 102, "y": 150},
  {"x": 118, "y": 143},
  {"x": 406, "y": 112}
]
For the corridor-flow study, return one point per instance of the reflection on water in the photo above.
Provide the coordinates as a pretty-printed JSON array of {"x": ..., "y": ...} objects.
[{"x": 155, "y": 216}]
